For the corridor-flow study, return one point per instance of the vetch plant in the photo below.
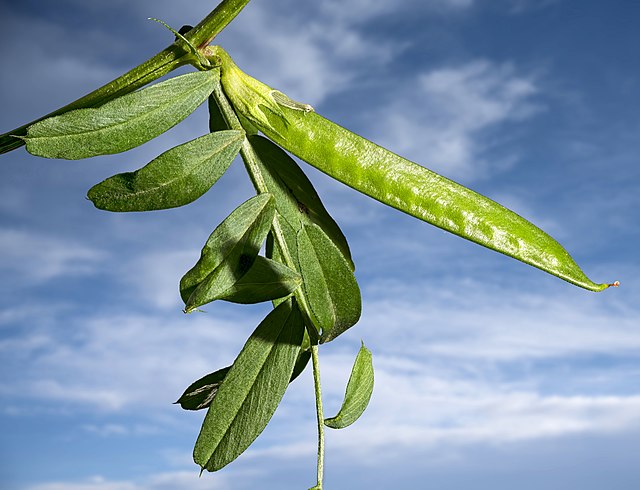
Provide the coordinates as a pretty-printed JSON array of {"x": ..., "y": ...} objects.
[{"x": 307, "y": 270}]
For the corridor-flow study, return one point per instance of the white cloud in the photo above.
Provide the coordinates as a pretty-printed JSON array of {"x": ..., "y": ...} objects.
[
  {"x": 106, "y": 430},
  {"x": 307, "y": 55},
  {"x": 155, "y": 277},
  {"x": 433, "y": 414},
  {"x": 358, "y": 11},
  {"x": 37, "y": 257},
  {"x": 442, "y": 118},
  {"x": 522, "y": 6},
  {"x": 178, "y": 480},
  {"x": 479, "y": 320},
  {"x": 113, "y": 363}
]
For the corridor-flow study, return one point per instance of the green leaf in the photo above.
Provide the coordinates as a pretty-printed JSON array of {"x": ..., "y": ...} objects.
[
  {"x": 252, "y": 389},
  {"x": 301, "y": 363},
  {"x": 229, "y": 252},
  {"x": 201, "y": 393},
  {"x": 123, "y": 123},
  {"x": 358, "y": 393},
  {"x": 296, "y": 199},
  {"x": 217, "y": 121},
  {"x": 264, "y": 281},
  {"x": 175, "y": 178},
  {"x": 329, "y": 284}
]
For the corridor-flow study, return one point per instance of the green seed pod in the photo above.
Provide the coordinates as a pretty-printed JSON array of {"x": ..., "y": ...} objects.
[{"x": 393, "y": 180}]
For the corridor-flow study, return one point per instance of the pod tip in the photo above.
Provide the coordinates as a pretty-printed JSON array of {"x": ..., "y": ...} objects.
[{"x": 614, "y": 284}]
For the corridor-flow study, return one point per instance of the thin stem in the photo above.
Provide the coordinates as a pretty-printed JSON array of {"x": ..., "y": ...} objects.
[
  {"x": 318, "y": 391},
  {"x": 253, "y": 169},
  {"x": 250, "y": 160},
  {"x": 155, "y": 67},
  {"x": 203, "y": 33}
]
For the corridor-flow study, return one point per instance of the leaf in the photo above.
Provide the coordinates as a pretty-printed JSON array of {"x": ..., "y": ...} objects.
[
  {"x": 217, "y": 122},
  {"x": 252, "y": 389},
  {"x": 301, "y": 363},
  {"x": 200, "y": 393},
  {"x": 123, "y": 123},
  {"x": 329, "y": 285},
  {"x": 264, "y": 281},
  {"x": 296, "y": 199},
  {"x": 358, "y": 393},
  {"x": 175, "y": 178},
  {"x": 229, "y": 252}
]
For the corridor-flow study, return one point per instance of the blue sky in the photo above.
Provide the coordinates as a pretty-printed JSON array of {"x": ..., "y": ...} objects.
[{"x": 489, "y": 374}]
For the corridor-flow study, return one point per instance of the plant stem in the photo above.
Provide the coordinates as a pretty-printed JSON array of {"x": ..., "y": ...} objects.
[
  {"x": 253, "y": 169},
  {"x": 320, "y": 414},
  {"x": 162, "y": 63},
  {"x": 250, "y": 160},
  {"x": 209, "y": 27}
]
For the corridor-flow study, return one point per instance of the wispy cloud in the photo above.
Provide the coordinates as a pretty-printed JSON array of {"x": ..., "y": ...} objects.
[
  {"x": 445, "y": 352},
  {"x": 308, "y": 53},
  {"x": 480, "y": 320},
  {"x": 179, "y": 480},
  {"x": 112, "y": 362},
  {"x": 444, "y": 117},
  {"x": 37, "y": 257}
]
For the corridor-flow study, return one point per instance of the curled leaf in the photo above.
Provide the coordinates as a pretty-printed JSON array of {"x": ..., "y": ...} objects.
[
  {"x": 229, "y": 252},
  {"x": 264, "y": 281},
  {"x": 201, "y": 393},
  {"x": 358, "y": 393}
]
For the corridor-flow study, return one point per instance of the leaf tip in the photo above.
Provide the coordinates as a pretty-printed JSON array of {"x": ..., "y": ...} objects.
[{"x": 602, "y": 287}]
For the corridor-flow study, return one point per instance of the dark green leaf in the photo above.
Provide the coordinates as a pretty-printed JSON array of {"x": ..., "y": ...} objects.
[
  {"x": 200, "y": 393},
  {"x": 358, "y": 393},
  {"x": 123, "y": 123},
  {"x": 296, "y": 199},
  {"x": 301, "y": 363},
  {"x": 217, "y": 121},
  {"x": 229, "y": 252},
  {"x": 177, "y": 177},
  {"x": 330, "y": 286},
  {"x": 273, "y": 251},
  {"x": 266, "y": 280},
  {"x": 252, "y": 389}
]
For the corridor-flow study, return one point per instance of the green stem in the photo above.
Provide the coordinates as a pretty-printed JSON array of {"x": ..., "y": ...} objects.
[
  {"x": 253, "y": 169},
  {"x": 213, "y": 24},
  {"x": 155, "y": 67},
  {"x": 318, "y": 391},
  {"x": 250, "y": 160}
]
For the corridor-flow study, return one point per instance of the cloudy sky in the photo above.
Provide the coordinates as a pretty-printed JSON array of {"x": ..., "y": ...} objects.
[{"x": 489, "y": 374}]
